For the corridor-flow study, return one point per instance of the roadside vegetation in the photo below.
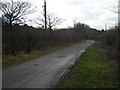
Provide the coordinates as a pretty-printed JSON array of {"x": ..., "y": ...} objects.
[
  {"x": 10, "y": 60},
  {"x": 110, "y": 42},
  {"x": 22, "y": 43},
  {"x": 93, "y": 70}
]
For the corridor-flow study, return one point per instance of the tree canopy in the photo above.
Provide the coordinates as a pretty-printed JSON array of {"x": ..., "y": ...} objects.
[{"x": 15, "y": 11}]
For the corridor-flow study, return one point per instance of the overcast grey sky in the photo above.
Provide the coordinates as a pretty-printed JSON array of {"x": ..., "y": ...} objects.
[{"x": 95, "y": 13}]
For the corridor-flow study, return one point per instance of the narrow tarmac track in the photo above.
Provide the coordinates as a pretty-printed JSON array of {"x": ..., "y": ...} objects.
[{"x": 45, "y": 71}]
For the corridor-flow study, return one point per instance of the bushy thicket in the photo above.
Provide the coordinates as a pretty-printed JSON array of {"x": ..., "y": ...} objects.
[
  {"x": 25, "y": 38},
  {"x": 110, "y": 43}
]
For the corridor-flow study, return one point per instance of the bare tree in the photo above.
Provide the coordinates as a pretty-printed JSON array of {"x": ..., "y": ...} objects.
[
  {"x": 52, "y": 21},
  {"x": 14, "y": 11}
]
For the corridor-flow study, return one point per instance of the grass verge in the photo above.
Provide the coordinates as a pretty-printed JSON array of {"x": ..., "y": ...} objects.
[
  {"x": 91, "y": 71},
  {"x": 21, "y": 57}
]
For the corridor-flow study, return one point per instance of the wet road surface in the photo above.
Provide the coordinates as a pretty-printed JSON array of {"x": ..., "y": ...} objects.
[{"x": 43, "y": 72}]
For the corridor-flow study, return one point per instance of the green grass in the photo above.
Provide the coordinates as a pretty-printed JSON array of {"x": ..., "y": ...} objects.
[
  {"x": 21, "y": 57},
  {"x": 91, "y": 71}
]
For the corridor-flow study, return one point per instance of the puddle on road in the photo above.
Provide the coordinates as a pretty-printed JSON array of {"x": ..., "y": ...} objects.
[
  {"x": 61, "y": 56},
  {"x": 82, "y": 51},
  {"x": 35, "y": 64}
]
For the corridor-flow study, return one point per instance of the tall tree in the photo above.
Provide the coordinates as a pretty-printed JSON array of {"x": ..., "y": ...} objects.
[
  {"x": 52, "y": 20},
  {"x": 15, "y": 11}
]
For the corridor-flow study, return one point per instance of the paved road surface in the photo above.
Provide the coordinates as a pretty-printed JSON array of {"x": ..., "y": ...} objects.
[{"x": 43, "y": 72}]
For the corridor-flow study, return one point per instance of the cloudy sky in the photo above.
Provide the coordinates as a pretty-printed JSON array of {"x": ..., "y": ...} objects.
[{"x": 95, "y": 13}]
